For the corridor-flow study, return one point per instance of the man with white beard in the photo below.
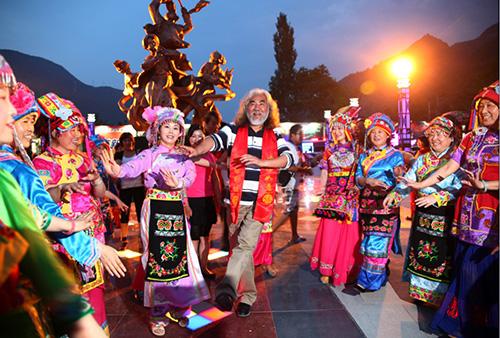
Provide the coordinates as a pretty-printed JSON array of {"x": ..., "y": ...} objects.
[{"x": 256, "y": 152}]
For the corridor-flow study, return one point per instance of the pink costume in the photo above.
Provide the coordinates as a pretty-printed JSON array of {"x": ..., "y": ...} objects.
[
  {"x": 336, "y": 245},
  {"x": 55, "y": 168},
  {"x": 173, "y": 274}
]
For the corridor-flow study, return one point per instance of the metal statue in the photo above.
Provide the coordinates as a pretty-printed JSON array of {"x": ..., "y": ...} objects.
[
  {"x": 201, "y": 97},
  {"x": 132, "y": 91},
  {"x": 165, "y": 79}
]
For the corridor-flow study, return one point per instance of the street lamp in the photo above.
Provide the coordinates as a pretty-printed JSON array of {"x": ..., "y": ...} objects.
[
  {"x": 402, "y": 68},
  {"x": 91, "y": 122},
  {"x": 326, "y": 131}
]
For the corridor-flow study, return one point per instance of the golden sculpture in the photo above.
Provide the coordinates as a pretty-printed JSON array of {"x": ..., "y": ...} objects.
[{"x": 165, "y": 79}]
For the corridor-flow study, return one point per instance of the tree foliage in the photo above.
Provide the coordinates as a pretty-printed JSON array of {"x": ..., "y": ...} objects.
[
  {"x": 315, "y": 91},
  {"x": 302, "y": 95},
  {"x": 281, "y": 84}
]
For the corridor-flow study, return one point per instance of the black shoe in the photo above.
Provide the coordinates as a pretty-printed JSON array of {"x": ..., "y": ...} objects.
[
  {"x": 224, "y": 302},
  {"x": 362, "y": 289},
  {"x": 243, "y": 310},
  {"x": 297, "y": 240}
]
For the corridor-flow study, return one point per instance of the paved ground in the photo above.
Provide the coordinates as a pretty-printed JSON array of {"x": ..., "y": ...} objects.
[{"x": 295, "y": 303}]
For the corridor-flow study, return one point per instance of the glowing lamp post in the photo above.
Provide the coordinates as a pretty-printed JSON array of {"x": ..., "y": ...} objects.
[
  {"x": 326, "y": 132},
  {"x": 91, "y": 122},
  {"x": 402, "y": 69}
]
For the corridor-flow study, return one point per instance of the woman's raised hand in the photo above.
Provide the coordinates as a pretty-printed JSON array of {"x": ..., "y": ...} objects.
[
  {"x": 111, "y": 167},
  {"x": 169, "y": 178}
]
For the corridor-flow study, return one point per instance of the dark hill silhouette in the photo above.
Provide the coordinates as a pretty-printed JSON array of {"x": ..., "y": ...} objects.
[
  {"x": 445, "y": 78},
  {"x": 44, "y": 76}
]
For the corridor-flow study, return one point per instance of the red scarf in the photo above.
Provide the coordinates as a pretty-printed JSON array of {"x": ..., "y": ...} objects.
[{"x": 267, "y": 180}]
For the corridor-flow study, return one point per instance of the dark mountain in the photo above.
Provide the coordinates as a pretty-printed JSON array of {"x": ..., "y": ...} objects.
[
  {"x": 44, "y": 76},
  {"x": 445, "y": 78}
]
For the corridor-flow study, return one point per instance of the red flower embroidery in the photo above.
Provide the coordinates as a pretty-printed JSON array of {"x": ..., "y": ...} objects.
[{"x": 452, "y": 310}]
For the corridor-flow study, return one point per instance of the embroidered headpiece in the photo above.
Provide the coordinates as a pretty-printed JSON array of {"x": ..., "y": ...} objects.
[
  {"x": 346, "y": 116},
  {"x": 158, "y": 115},
  {"x": 379, "y": 120},
  {"x": 6, "y": 74},
  {"x": 491, "y": 93},
  {"x": 62, "y": 113},
  {"x": 23, "y": 99},
  {"x": 440, "y": 122}
]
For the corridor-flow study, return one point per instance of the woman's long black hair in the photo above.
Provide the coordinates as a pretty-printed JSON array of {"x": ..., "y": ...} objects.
[{"x": 191, "y": 130}]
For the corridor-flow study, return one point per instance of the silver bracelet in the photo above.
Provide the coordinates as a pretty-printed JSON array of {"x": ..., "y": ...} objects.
[{"x": 485, "y": 187}]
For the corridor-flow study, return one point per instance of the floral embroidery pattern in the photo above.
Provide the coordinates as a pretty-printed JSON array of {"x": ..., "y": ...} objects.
[
  {"x": 427, "y": 250},
  {"x": 431, "y": 224},
  {"x": 425, "y": 295},
  {"x": 452, "y": 310},
  {"x": 438, "y": 273},
  {"x": 381, "y": 225},
  {"x": 159, "y": 271},
  {"x": 168, "y": 251}
]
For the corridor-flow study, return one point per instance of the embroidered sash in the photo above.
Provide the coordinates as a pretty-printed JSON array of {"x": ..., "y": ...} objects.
[
  {"x": 372, "y": 158},
  {"x": 267, "y": 180}
]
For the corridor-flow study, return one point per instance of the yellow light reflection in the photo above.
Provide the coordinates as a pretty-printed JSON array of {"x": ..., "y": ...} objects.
[
  {"x": 368, "y": 87},
  {"x": 128, "y": 254}
]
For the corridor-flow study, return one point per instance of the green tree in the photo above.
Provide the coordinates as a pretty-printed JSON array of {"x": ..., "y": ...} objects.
[
  {"x": 315, "y": 91},
  {"x": 281, "y": 84}
]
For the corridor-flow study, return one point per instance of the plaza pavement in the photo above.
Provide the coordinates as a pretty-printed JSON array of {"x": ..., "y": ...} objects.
[{"x": 295, "y": 303}]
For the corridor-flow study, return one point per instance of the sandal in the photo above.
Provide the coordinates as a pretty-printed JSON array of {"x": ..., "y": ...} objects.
[{"x": 158, "y": 328}]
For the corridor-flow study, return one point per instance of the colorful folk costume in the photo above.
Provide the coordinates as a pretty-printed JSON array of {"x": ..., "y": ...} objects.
[
  {"x": 80, "y": 246},
  {"x": 431, "y": 244},
  {"x": 38, "y": 297},
  {"x": 97, "y": 141},
  {"x": 470, "y": 307},
  {"x": 174, "y": 280},
  {"x": 33, "y": 283},
  {"x": 336, "y": 245},
  {"x": 378, "y": 224},
  {"x": 55, "y": 169},
  {"x": 251, "y": 194}
]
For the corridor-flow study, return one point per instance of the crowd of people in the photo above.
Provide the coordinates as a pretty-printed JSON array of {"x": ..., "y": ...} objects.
[{"x": 60, "y": 208}]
